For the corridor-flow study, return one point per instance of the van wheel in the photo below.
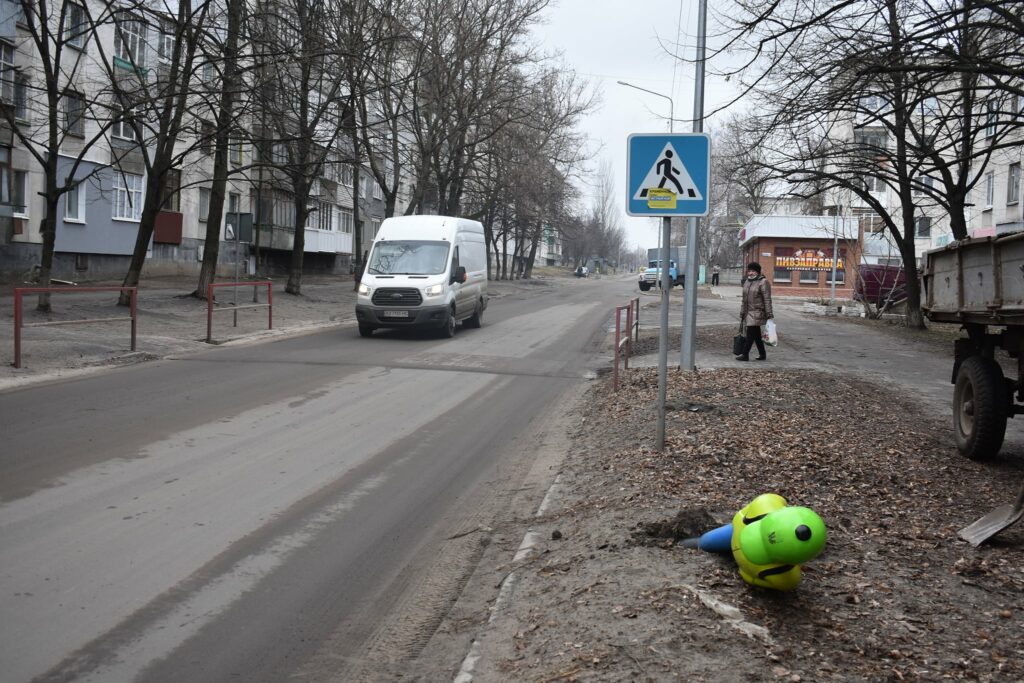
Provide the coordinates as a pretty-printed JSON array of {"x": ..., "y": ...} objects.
[
  {"x": 476, "y": 321},
  {"x": 448, "y": 331},
  {"x": 365, "y": 331}
]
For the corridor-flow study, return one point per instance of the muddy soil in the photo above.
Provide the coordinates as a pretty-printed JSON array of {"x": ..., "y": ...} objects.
[{"x": 610, "y": 596}]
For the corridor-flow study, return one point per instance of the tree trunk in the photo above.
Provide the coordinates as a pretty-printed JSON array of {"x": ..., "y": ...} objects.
[
  {"x": 211, "y": 249},
  {"x": 48, "y": 227},
  {"x": 294, "y": 285},
  {"x": 150, "y": 208}
]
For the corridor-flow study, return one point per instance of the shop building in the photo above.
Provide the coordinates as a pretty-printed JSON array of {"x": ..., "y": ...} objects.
[{"x": 796, "y": 253}]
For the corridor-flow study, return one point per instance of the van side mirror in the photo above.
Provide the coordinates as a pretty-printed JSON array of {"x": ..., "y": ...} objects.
[{"x": 459, "y": 275}]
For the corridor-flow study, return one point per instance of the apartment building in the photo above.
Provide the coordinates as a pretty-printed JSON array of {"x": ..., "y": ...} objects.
[{"x": 98, "y": 220}]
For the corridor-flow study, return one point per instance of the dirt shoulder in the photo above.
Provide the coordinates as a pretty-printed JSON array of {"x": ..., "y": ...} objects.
[{"x": 895, "y": 595}]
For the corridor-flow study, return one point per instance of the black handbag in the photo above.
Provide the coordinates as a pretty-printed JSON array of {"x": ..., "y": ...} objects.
[{"x": 738, "y": 342}]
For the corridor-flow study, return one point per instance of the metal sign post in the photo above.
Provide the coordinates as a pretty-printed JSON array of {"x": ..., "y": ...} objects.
[{"x": 668, "y": 176}]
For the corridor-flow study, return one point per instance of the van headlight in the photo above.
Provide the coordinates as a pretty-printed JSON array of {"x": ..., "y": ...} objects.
[
  {"x": 364, "y": 290},
  {"x": 434, "y": 290}
]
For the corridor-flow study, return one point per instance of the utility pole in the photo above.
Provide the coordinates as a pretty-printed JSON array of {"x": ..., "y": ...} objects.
[{"x": 687, "y": 353}]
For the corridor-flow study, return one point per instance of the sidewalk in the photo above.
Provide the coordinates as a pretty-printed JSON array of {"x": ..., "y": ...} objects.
[{"x": 170, "y": 322}]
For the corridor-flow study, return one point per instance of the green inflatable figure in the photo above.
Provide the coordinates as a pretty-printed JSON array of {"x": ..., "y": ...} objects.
[{"x": 769, "y": 540}]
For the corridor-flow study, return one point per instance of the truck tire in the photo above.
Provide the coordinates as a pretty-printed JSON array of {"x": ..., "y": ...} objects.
[
  {"x": 644, "y": 287},
  {"x": 979, "y": 408}
]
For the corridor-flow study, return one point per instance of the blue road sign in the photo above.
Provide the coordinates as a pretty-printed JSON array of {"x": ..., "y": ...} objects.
[{"x": 668, "y": 174}]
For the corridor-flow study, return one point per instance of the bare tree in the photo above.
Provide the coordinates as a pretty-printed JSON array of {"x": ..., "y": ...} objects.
[{"x": 302, "y": 100}]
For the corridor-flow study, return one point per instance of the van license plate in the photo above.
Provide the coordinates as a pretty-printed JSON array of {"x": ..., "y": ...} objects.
[{"x": 396, "y": 314}]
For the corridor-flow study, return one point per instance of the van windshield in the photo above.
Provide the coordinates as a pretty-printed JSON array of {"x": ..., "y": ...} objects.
[{"x": 408, "y": 257}]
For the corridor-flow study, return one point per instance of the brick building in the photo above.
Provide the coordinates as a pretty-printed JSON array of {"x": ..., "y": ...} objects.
[{"x": 795, "y": 253}]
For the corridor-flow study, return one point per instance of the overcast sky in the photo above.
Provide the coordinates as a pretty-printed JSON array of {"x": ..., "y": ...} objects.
[{"x": 606, "y": 41}]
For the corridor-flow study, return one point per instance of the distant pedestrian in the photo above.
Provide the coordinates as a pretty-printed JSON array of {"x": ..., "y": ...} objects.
[
  {"x": 715, "y": 270},
  {"x": 756, "y": 310}
]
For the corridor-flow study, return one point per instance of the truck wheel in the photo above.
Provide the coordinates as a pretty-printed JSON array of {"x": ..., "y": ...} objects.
[
  {"x": 644, "y": 286},
  {"x": 979, "y": 408},
  {"x": 365, "y": 331}
]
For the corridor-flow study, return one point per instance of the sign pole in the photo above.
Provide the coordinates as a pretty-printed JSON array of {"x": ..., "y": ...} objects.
[
  {"x": 666, "y": 285},
  {"x": 688, "y": 351}
]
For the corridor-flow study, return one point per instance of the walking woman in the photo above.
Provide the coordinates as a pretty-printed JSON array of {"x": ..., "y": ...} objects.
[{"x": 756, "y": 310}]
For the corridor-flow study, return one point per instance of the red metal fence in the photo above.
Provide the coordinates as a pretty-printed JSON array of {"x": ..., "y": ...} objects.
[
  {"x": 19, "y": 323},
  {"x": 632, "y": 327},
  {"x": 210, "y": 309}
]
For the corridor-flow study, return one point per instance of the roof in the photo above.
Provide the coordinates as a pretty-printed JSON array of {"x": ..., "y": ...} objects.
[{"x": 807, "y": 227}]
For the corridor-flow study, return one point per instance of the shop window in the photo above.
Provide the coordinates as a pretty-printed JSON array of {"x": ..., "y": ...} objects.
[
  {"x": 840, "y": 277},
  {"x": 808, "y": 277},
  {"x": 782, "y": 275}
]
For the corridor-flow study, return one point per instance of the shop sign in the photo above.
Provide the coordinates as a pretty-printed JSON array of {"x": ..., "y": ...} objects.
[{"x": 808, "y": 259}]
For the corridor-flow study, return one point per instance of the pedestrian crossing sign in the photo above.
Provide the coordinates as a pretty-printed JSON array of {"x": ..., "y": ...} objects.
[{"x": 668, "y": 175}]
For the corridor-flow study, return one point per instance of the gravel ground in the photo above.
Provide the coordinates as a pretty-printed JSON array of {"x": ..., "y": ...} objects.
[{"x": 895, "y": 595}]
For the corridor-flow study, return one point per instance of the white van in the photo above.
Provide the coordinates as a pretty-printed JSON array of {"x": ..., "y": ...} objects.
[{"x": 424, "y": 271}]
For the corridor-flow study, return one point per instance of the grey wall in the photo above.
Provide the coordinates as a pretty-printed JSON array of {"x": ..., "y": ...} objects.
[{"x": 100, "y": 234}]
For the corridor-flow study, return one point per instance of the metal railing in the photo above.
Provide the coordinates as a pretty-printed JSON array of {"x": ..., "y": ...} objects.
[
  {"x": 19, "y": 322},
  {"x": 235, "y": 307},
  {"x": 632, "y": 328}
]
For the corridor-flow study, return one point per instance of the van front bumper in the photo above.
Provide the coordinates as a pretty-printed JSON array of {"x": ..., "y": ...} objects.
[{"x": 418, "y": 316}]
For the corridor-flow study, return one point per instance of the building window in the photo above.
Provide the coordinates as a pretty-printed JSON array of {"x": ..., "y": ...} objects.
[
  {"x": 130, "y": 41},
  {"x": 990, "y": 189},
  {"x": 375, "y": 226},
  {"x": 808, "y": 277},
  {"x": 204, "y": 204},
  {"x": 840, "y": 276},
  {"x": 378, "y": 192},
  {"x": 923, "y": 226},
  {"x": 171, "y": 196},
  {"x": 127, "y": 196},
  {"x": 871, "y": 142},
  {"x": 923, "y": 184},
  {"x": 345, "y": 220},
  {"x": 166, "y": 41},
  {"x": 74, "y": 204},
  {"x": 930, "y": 106},
  {"x": 324, "y": 216},
  {"x": 782, "y": 275},
  {"x": 991, "y": 117},
  {"x": 74, "y": 25},
  {"x": 7, "y": 73},
  {"x": 235, "y": 150},
  {"x": 365, "y": 182},
  {"x": 74, "y": 114},
  {"x": 874, "y": 184},
  {"x": 1013, "y": 184},
  {"x": 123, "y": 127},
  {"x": 5, "y": 175},
  {"x": 279, "y": 153},
  {"x": 284, "y": 209},
  {"x": 207, "y": 133},
  {"x": 346, "y": 175},
  {"x": 21, "y": 97},
  {"x": 19, "y": 193}
]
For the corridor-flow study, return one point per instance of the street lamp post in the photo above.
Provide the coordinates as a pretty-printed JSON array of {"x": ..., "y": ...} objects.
[
  {"x": 688, "y": 347},
  {"x": 666, "y": 286}
]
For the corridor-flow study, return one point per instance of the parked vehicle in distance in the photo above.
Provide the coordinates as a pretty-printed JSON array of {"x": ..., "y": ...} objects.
[
  {"x": 878, "y": 284},
  {"x": 582, "y": 271},
  {"x": 424, "y": 271}
]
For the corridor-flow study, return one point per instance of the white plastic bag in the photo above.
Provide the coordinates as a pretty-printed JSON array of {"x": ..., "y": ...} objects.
[{"x": 770, "y": 334}]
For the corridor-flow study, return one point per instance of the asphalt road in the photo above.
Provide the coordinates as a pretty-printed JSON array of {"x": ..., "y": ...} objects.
[{"x": 271, "y": 512}]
